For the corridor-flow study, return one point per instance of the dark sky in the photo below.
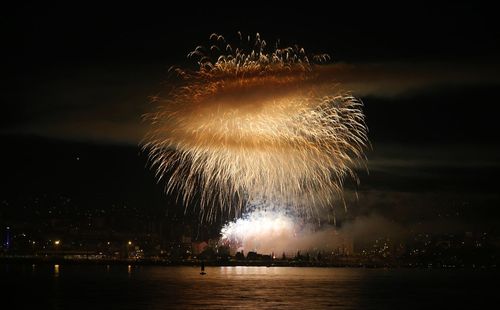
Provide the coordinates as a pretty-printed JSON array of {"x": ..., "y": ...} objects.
[{"x": 76, "y": 80}]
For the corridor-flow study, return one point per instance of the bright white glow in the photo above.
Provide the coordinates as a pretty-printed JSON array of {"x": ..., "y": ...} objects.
[
  {"x": 271, "y": 228},
  {"x": 257, "y": 231}
]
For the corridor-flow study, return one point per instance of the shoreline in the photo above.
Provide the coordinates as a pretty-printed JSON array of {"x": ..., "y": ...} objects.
[{"x": 232, "y": 263}]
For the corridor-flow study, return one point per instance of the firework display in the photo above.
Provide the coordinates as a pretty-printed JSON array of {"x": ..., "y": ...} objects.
[
  {"x": 262, "y": 231},
  {"x": 254, "y": 122}
]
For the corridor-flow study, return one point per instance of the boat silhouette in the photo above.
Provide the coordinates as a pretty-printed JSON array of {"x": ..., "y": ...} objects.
[{"x": 202, "y": 267}]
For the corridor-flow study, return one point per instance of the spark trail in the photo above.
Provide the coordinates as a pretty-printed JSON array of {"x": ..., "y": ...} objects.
[{"x": 255, "y": 123}]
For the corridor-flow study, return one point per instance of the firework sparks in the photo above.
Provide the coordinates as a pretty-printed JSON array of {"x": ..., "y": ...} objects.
[
  {"x": 263, "y": 231},
  {"x": 255, "y": 123},
  {"x": 268, "y": 228}
]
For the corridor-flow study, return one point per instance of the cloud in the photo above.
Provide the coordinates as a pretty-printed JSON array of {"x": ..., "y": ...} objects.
[
  {"x": 106, "y": 103},
  {"x": 394, "y": 79}
]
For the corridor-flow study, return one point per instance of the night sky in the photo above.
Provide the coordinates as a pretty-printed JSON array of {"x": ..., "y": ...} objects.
[{"x": 76, "y": 80}]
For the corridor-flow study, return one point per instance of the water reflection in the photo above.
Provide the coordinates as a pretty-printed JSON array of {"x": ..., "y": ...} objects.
[
  {"x": 156, "y": 287},
  {"x": 56, "y": 270}
]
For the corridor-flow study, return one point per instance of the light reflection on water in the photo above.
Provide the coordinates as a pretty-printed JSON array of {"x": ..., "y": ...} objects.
[
  {"x": 255, "y": 287},
  {"x": 56, "y": 270},
  {"x": 155, "y": 287}
]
